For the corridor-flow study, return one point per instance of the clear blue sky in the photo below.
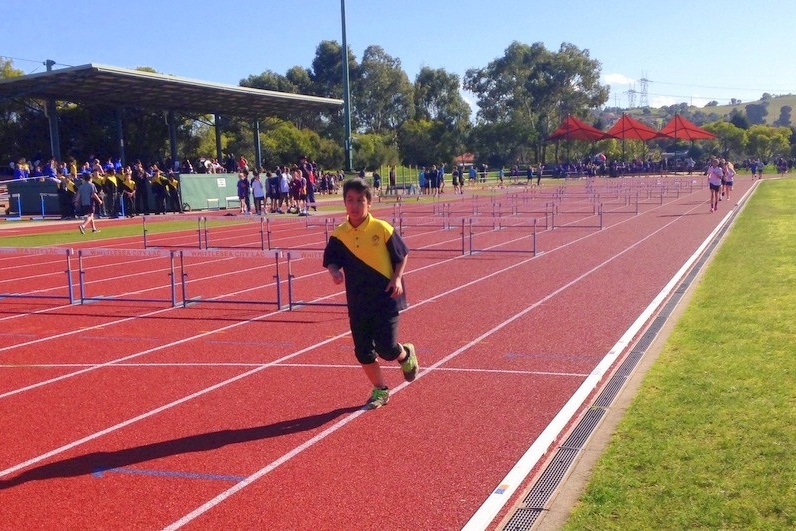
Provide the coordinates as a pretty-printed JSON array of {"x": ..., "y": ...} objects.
[{"x": 690, "y": 51}]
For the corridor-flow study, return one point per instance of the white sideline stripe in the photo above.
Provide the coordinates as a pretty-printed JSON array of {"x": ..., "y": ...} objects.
[
  {"x": 164, "y": 407},
  {"x": 506, "y": 488},
  {"x": 292, "y": 365},
  {"x": 594, "y": 377}
]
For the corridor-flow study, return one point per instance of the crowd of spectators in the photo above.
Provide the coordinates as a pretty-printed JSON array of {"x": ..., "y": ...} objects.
[{"x": 123, "y": 189}]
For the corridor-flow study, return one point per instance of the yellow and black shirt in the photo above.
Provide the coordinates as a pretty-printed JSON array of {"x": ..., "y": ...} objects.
[{"x": 367, "y": 255}]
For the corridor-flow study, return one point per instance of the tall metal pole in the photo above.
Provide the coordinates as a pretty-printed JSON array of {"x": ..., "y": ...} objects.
[
  {"x": 347, "y": 142},
  {"x": 52, "y": 116}
]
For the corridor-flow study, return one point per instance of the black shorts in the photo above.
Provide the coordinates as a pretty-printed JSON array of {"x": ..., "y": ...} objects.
[
  {"x": 375, "y": 334},
  {"x": 715, "y": 187}
]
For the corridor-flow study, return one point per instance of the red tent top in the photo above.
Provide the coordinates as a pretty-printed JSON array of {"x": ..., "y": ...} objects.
[
  {"x": 574, "y": 129},
  {"x": 679, "y": 127},
  {"x": 631, "y": 129}
]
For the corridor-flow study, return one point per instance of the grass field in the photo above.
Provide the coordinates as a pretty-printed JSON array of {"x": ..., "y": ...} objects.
[{"x": 710, "y": 440}]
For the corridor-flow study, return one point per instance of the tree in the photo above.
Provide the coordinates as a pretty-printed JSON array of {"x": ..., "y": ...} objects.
[
  {"x": 738, "y": 119},
  {"x": 12, "y": 140},
  {"x": 731, "y": 139},
  {"x": 756, "y": 112},
  {"x": 383, "y": 98},
  {"x": 327, "y": 70},
  {"x": 530, "y": 88},
  {"x": 375, "y": 150},
  {"x": 784, "y": 116},
  {"x": 269, "y": 80},
  {"x": 768, "y": 142},
  {"x": 438, "y": 99}
]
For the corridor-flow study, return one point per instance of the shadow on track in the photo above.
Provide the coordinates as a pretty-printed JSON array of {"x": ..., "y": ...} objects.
[{"x": 97, "y": 462}]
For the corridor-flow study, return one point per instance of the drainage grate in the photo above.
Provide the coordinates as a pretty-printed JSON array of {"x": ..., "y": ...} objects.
[{"x": 533, "y": 505}]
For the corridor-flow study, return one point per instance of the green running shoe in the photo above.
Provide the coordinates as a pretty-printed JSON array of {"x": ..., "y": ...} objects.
[
  {"x": 410, "y": 366},
  {"x": 378, "y": 398}
]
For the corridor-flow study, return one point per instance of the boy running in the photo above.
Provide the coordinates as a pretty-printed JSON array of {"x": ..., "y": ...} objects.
[{"x": 373, "y": 257}]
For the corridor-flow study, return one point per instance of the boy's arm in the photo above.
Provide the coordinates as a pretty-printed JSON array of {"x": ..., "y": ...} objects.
[
  {"x": 396, "y": 285},
  {"x": 337, "y": 275}
]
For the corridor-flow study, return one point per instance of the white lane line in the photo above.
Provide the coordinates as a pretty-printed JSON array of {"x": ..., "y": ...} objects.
[
  {"x": 160, "y": 409},
  {"x": 595, "y": 375},
  {"x": 503, "y": 492}
]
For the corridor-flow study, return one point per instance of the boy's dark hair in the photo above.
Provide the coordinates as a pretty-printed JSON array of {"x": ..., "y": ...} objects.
[{"x": 359, "y": 185}]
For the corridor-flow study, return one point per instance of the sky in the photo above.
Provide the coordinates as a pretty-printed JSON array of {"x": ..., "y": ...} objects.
[{"x": 688, "y": 51}]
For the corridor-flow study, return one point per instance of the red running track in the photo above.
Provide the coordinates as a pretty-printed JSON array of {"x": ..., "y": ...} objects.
[{"x": 237, "y": 415}]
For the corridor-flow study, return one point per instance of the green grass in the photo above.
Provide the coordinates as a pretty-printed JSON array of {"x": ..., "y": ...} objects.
[
  {"x": 709, "y": 441},
  {"x": 66, "y": 233}
]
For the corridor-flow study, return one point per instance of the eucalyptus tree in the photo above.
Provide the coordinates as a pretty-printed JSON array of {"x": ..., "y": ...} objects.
[
  {"x": 438, "y": 100},
  {"x": 530, "y": 89},
  {"x": 382, "y": 94}
]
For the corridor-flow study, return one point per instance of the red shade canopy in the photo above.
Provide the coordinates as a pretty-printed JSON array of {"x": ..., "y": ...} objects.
[
  {"x": 628, "y": 128},
  {"x": 679, "y": 127},
  {"x": 574, "y": 129}
]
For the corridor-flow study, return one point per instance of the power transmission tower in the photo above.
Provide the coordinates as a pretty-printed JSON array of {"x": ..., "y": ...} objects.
[
  {"x": 643, "y": 83},
  {"x": 631, "y": 97}
]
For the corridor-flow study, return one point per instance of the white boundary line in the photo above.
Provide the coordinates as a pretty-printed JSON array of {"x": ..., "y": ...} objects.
[
  {"x": 551, "y": 431},
  {"x": 505, "y": 490}
]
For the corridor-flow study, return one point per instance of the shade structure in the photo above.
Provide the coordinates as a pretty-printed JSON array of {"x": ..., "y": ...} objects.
[
  {"x": 574, "y": 129},
  {"x": 679, "y": 127},
  {"x": 628, "y": 128}
]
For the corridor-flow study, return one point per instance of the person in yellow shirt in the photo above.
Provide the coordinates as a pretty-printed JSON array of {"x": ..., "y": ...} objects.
[
  {"x": 173, "y": 192},
  {"x": 159, "y": 183},
  {"x": 98, "y": 181},
  {"x": 127, "y": 188},
  {"x": 111, "y": 189}
]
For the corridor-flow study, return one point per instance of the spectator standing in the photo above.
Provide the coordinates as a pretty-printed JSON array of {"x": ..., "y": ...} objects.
[
  {"x": 258, "y": 192},
  {"x": 243, "y": 191},
  {"x": 376, "y": 183},
  {"x": 173, "y": 192},
  {"x": 284, "y": 191},
  {"x": 392, "y": 178},
  {"x": 158, "y": 183},
  {"x": 111, "y": 189},
  {"x": 141, "y": 179},
  {"x": 308, "y": 170},
  {"x": 127, "y": 187}
]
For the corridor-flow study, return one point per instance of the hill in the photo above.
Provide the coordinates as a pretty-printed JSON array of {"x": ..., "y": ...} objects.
[
  {"x": 658, "y": 116},
  {"x": 774, "y": 106}
]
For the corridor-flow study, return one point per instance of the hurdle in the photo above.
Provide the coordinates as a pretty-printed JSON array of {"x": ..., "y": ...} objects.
[
  {"x": 199, "y": 221},
  {"x": 500, "y": 226},
  {"x": 264, "y": 228},
  {"x": 229, "y": 253},
  {"x": 292, "y": 303},
  {"x": 128, "y": 253},
  {"x": 40, "y": 251},
  {"x": 19, "y": 207},
  {"x": 42, "y": 198}
]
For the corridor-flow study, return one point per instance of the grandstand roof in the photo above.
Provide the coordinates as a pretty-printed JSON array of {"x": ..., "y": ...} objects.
[{"x": 121, "y": 87}]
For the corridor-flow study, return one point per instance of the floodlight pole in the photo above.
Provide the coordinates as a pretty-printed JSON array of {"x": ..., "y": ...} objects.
[
  {"x": 348, "y": 148},
  {"x": 52, "y": 116}
]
